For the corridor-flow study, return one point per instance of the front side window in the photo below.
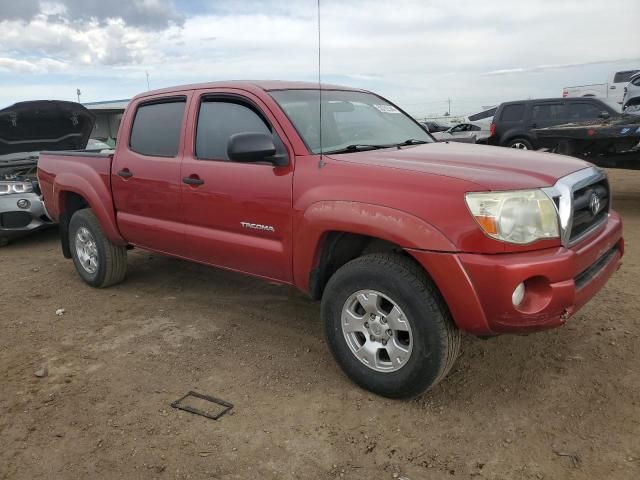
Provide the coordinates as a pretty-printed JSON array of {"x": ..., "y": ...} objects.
[
  {"x": 348, "y": 119},
  {"x": 583, "y": 111},
  {"x": 156, "y": 128},
  {"x": 218, "y": 120}
]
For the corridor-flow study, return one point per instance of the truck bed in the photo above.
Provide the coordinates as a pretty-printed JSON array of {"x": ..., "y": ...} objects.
[
  {"x": 74, "y": 168},
  {"x": 613, "y": 143}
]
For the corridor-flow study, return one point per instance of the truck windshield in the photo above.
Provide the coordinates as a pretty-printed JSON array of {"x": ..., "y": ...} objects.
[{"x": 349, "y": 120}]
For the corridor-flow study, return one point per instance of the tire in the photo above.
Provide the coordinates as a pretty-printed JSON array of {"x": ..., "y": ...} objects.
[
  {"x": 433, "y": 341},
  {"x": 520, "y": 144},
  {"x": 88, "y": 243},
  {"x": 4, "y": 242}
]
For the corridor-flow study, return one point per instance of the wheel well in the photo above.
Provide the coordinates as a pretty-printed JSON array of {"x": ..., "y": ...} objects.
[
  {"x": 71, "y": 203},
  {"x": 337, "y": 249},
  {"x": 633, "y": 101}
]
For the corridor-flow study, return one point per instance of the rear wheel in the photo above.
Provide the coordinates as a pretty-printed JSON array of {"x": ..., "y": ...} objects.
[
  {"x": 520, "y": 144},
  {"x": 387, "y": 326},
  {"x": 99, "y": 262}
]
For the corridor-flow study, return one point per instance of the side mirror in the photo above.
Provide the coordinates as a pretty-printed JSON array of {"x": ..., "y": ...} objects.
[
  {"x": 604, "y": 114},
  {"x": 254, "y": 147}
]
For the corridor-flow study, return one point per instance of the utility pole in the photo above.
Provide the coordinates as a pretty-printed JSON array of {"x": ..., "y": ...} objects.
[
  {"x": 147, "y": 73},
  {"x": 449, "y": 100},
  {"x": 78, "y": 93}
]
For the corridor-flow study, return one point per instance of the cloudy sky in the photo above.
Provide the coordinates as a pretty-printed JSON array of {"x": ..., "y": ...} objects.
[{"x": 416, "y": 52}]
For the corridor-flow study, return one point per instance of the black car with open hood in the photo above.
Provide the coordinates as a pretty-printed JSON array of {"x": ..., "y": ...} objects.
[
  {"x": 26, "y": 128},
  {"x": 44, "y": 125}
]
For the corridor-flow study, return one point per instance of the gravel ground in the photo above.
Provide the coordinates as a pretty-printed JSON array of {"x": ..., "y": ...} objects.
[{"x": 562, "y": 404}]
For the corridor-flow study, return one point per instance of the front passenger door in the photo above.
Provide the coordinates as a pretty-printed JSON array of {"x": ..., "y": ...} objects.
[{"x": 237, "y": 215}]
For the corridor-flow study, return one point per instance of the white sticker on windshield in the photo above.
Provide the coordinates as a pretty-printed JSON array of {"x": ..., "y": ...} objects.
[{"x": 387, "y": 108}]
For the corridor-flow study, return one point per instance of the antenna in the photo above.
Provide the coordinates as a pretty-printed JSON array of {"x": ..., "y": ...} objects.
[
  {"x": 321, "y": 162},
  {"x": 147, "y": 74}
]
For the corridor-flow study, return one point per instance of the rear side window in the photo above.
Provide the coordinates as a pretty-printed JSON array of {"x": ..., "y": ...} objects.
[
  {"x": 512, "y": 113},
  {"x": 583, "y": 111},
  {"x": 156, "y": 128},
  {"x": 548, "y": 111},
  {"x": 621, "y": 77},
  {"x": 218, "y": 120},
  {"x": 636, "y": 81}
]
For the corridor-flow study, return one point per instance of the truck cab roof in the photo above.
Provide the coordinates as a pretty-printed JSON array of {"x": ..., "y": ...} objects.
[{"x": 250, "y": 85}]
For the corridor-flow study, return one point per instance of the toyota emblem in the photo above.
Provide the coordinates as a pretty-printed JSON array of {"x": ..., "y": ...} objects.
[{"x": 594, "y": 204}]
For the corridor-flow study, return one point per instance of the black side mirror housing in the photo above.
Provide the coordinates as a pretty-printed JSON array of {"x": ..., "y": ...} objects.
[
  {"x": 604, "y": 114},
  {"x": 253, "y": 147}
]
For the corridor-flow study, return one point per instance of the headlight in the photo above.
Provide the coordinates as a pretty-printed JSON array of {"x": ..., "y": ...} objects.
[
  {"x": 521, "y": 216},
  {"x": 7, "y": 188}
]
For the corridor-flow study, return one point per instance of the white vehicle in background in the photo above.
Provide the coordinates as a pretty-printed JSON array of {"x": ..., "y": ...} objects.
[
  {"x": 610, "y": 92},
  {"x": 631, "y": 101},
  {"x": 463, "y": 133},
  {"x": 483, "y": 118}
]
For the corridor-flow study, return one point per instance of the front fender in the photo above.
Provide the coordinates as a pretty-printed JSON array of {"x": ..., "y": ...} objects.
[
  {"x": 395, "y": 226},
  {"x": 96, "y": 191}
]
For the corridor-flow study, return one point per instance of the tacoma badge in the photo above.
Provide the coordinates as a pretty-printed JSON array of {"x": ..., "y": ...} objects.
[{"x": 257, "y": 226}]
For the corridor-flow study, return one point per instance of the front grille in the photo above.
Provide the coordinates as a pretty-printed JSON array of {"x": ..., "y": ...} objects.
[
  {"x": 584, "y": 218},
  {"x": 15, "y": 219},
  {"x": 574, "y": 196}
]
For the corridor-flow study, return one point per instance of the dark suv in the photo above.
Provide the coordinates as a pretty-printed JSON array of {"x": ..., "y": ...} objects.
[{"x": 514, "y": 121}]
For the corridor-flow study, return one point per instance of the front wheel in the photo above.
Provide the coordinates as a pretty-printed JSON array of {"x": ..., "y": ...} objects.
[
  {"x": 99, "y": 262},
  {"x": 387, "y": 326}
]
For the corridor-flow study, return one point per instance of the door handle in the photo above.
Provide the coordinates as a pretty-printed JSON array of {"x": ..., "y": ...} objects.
[
  {"x": 533, "y": 125},
  {"x": 193, "y": 180},
  {"x": 125, "y": 173}
]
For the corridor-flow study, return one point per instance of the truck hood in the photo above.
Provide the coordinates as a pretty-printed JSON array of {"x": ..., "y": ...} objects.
[
  {"x": 491, "y": 168},
  {"x": 44, "y": 125}
]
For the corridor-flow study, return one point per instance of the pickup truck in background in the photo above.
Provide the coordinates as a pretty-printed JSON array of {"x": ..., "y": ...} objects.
[
  {"x": 611, "y": 92},
  {"x": 406, "y": 242}
]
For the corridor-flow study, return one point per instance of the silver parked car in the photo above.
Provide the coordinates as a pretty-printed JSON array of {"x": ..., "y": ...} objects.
[
  {"x": 631, "y": 100},
  {"x": 464, "y": 133},
  {"x": 26, "y": 128}
]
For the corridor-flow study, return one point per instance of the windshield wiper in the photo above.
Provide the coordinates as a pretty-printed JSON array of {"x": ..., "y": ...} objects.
[
  {"x": 411, "y": 141},
  {"x": 359, "y": 147}
]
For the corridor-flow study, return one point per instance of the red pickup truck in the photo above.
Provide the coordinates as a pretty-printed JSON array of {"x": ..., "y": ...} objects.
[{"x": 406, "y": 242}]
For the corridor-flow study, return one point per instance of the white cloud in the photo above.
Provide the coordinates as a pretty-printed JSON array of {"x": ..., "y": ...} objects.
[
  {"x": 42, "y": 65},
  {"x": 417, "y": 52}
]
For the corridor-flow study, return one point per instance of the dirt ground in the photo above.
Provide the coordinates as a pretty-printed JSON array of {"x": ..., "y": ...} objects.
[{"x": 563, "y": 404}]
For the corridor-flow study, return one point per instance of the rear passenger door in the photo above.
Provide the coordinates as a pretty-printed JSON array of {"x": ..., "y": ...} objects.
[
  {"x": 237, "y": 215},
  {"x": 145, "y": 175}
]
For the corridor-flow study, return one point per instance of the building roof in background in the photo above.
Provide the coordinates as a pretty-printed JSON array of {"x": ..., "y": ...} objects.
[{"x": 107, "y": 105}]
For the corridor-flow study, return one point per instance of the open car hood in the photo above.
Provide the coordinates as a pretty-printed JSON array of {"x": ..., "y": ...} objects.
[{"x": 44, "y": 125}]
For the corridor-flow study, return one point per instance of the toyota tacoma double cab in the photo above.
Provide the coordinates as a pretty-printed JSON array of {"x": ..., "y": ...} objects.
[{"x": 405, "y": 241}]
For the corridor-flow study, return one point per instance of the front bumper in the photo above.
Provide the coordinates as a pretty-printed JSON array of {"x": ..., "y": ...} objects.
[
  {"x": 16, "y": 221},
  {"x": 559, "y": 281}
]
